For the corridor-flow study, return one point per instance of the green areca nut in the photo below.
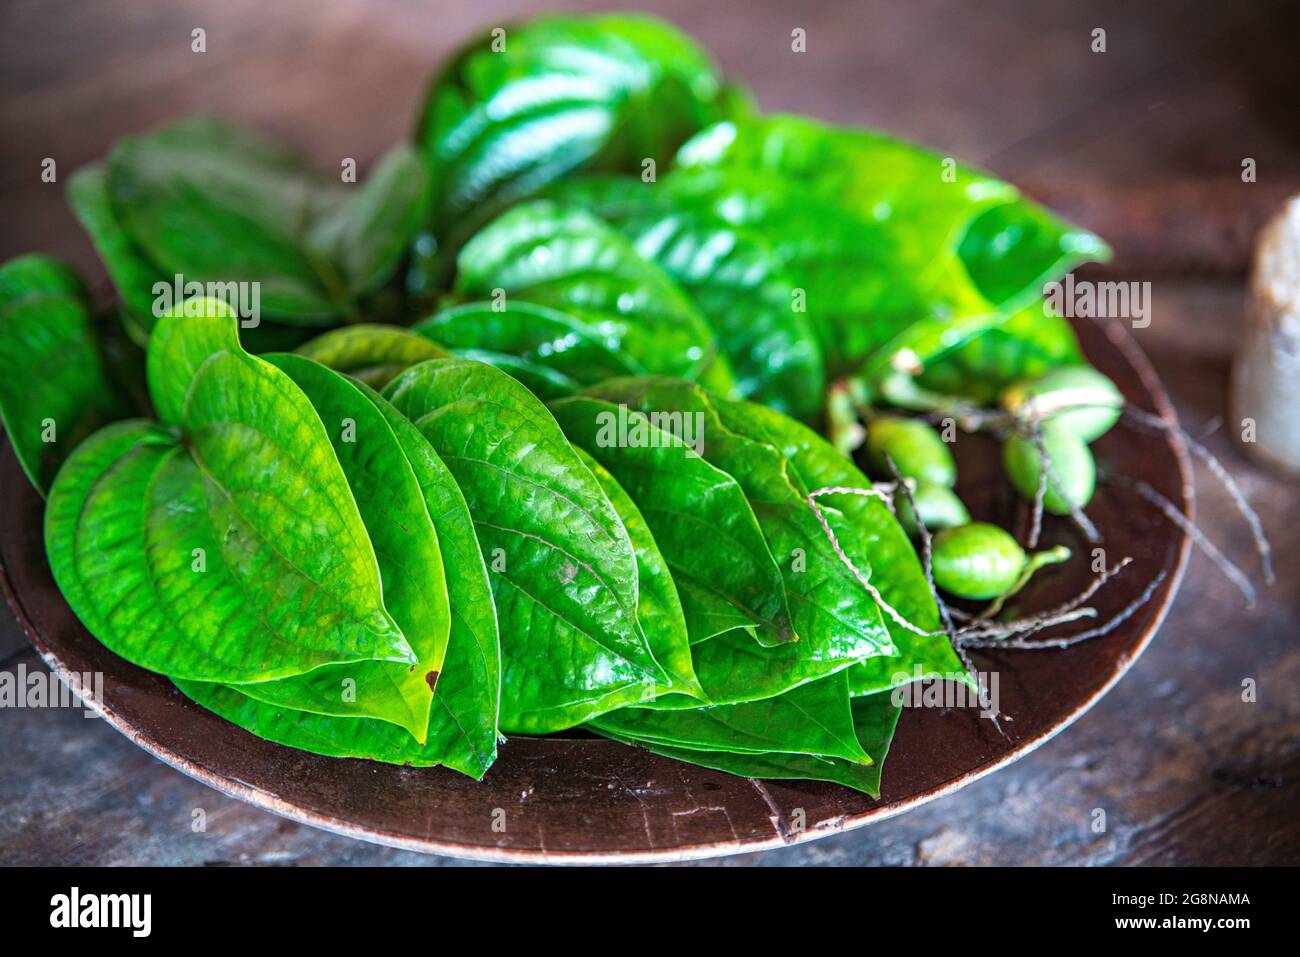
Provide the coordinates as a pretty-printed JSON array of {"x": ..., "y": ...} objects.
[
  {"x": 977, "y": 561},
  {"x": 938, "y": 506},
  {"x": 1077, "y": 398},
  {"x": 917, "y": 450},
  {"x": 1072, "y": 477}
]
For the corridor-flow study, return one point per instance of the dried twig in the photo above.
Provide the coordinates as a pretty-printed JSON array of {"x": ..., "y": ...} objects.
[
  {"x": 1154, "y": 423},
  {"x": 871, "y": 589},
  {"x": 1022, "y": 644},
  {"x": 1175, "y": 515}
]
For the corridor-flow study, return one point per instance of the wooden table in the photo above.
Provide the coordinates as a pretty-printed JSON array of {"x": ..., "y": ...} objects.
[{"x": 1151, "y": 132}]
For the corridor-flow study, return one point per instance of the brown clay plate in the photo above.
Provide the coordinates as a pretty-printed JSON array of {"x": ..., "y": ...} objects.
[{"x": 579, "y": 799}]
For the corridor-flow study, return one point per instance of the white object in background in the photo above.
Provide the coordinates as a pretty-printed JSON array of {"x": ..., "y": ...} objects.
[{"x": 1266, "y": 374}]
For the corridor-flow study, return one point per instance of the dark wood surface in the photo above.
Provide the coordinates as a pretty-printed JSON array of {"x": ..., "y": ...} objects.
[{"x": 1186, "y": 771}]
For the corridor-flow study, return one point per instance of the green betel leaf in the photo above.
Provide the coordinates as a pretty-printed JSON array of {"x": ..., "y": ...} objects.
[
  {"x": 372, "y": 354},
  {"x": 929, "y": 202},
  {"x": 899, "y": 184},
  {"x": 210, "y": 202},
  {"x": 368, "y": 236},
  {"x": 135, "y": 555},
  {"x": 1032, "y": 341},
  {"x": 563, "y": 569},
  {"x": 392, "y": 506},
  {"x": 864, "y": 290},
  {"x": 836, "y": 622},
  {"x": 204, "y": 202},
  {"x": 54, "y": 386},
  {"x": 812, "y": 719},
  {"x": 874, "y": 718},
  {"x": 130, "y": 271},
  {"x": 569, "y": 260},
  {"x": 462, "y": 731},
  {"x": 658, "y": 609},
  {"x": 1011, "y": 250},
  {"x": 725, "y": 575},
  {"x": 234, "y": 554},
  {"x": 960, "y": 249},
  {"x": 532, "y": 343},
  {"x": 527, "y": 105},
  {"x": 467, "y": 697},
  {"x": 734, "y": 276},
  {"x": 871, "y": 536}
]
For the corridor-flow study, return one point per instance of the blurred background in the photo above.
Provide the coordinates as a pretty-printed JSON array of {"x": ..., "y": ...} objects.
[{"x": 1143, "y": 143}]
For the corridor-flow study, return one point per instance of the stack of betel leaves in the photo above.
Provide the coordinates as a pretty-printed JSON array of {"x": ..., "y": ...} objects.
[{"x": 520, "y": 434}]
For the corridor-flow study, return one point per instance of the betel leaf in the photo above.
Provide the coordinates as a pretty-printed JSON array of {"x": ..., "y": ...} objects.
[
  {"x": 1030, "y": 342},
  {"x": 865, "y": 292},
  {"x": 866, "y": 530},
  {"x": 367, "y": 236},
  {"x": 462, "y": 731},
  {"x": 54, "y": 384},
  {"x": 539, "y": 342},
  {"x": 929, "y": 198},
  {"x": 734, "y": 276},
  {"x": 211, "y": 203},
  {"x": 227, "y": 547},
  {"x": 564, "y": 572},
  {"x": 927, "y": 203},
  {"x": 725, "y": 575},
  {"x": 814, "y": 718},
  {"x": 392, "y": 506},
  {"x": 874, "y": 718},
  {"x": 467, "y": 696},
  {"x": 834, "y": 619},
  {"x": 961, "y": 249},
  {"x": 567, "y": 259},
  {"x": 1011, "y": 250},
  {"x": 369, "y": 353},
  {"x": 208, "y": 201},
  {"x": 658, "y": 609},
  {"x": 135, "y": 555},
  {"x": 132, "y": 274},
  {"x": 527, "y": 105}
]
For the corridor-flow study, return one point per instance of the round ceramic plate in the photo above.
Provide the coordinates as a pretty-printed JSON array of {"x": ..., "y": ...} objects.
[{"x": 582, "y": 799}]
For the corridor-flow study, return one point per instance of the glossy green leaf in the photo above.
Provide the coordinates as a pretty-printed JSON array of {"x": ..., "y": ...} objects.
[
  {"x": 367, "y": 236},
  {"x": 658, "y": 609},
  {"x": 131, "y": 272},
  {"x": 373, "y": 354},
  {"x": 874, "y": 718},
  {"x": 54, "y": 385},
  {"x": 812, "y": 719},
  {"x": 392, "y": 506},
  {"x": 869, "y": 296},
  {"x": 568, "y": 260},
  {"x": 211, "y": 203},
  {"x": 1030, "y": 342},
  {"x": 928, "y": 204},
  {"x": 872, "y": 536},
  {"x": 1011, "y": 250},
  {"x": 564, "y": 573},
  {"x": 233, "y": 554},
  {"x": 735, "y": 278},
  {"x": 462, "y": 731},
  {"x": 725, "y": 574},
  {"x": 516, "y": 111},
  {"x": 533, "y": 343},
  {"x": 829, "y": 610}
]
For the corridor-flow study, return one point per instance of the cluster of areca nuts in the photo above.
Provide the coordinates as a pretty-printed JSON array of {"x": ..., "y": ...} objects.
[{"x": 1046, "y": 425}]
